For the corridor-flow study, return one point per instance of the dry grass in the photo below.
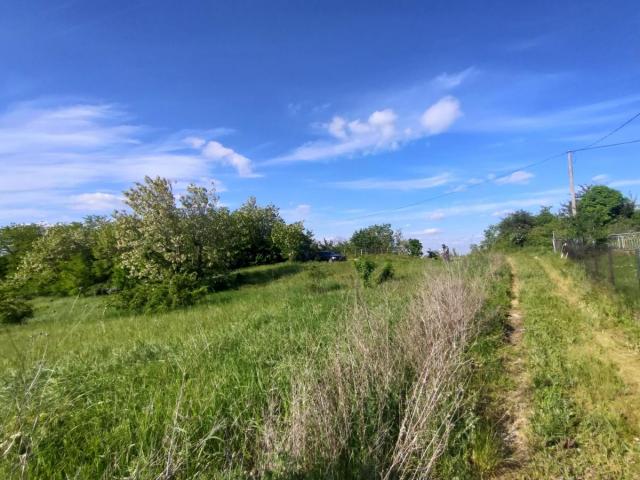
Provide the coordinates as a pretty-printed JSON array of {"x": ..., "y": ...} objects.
[{"x": 383, "y": 404}]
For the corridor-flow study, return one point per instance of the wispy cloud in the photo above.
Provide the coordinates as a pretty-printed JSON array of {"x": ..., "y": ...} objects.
[
  {"x": 448, "y": 81},
  {"x": 625, "y": 183},
  {"x": 428, "y": 231},
  {"x": 520, "y": 176},
  {"x": 405, "y": 185},
  {"x": 299, "y": 213},
  {"x": 601, "y": 178},
  {"x": 591, "y": 115},
  {"x": 383, "y": 130},
  {"x": 97, "y": 202},
  {"x": 65, "y": 150}
]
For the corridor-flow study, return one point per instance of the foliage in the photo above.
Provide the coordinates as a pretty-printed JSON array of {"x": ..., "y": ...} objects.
[
  {"x": 292, "y": 241},
  {"x": 599, "y": 207},
  {"x": 386, "y": 273},
  {"x": 180, "y": 290},
  {"x": 414, "y": 247},
  {"x": 252, "y": 234},
  {"x": 365, "y": 268},
  {"x": 15, "y": 242},
  {"x": 58, "y": 263},
  {"x": 601, "y": 211},
  {"x": 374, "y": 239},
  {"x": 13, "y": 310}
]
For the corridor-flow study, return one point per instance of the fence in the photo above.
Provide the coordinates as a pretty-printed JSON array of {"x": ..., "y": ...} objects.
[
  {"x": 616, "y": 262},
  {"x": 625, "y": 241}
]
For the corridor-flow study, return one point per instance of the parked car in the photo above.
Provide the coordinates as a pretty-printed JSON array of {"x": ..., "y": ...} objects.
[{"x": 331, "y": 257}]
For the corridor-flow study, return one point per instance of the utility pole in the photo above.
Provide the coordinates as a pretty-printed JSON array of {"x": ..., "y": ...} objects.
[{"x": 572, "y": 188}]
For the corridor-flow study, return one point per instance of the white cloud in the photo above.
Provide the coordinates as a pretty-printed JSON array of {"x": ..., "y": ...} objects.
[
  {"x": 409, "y": 184},
  {"x": 448, "y": 81},
  {"x": 217, "y": 151},
  {"x": 437, "y": 215},
  {"x": 195, "y": 142},
  {"x": 625, "y": 183},
  {"x": 297, "y": 214},
  {"x": 602, "y": 178},
  {"x": 383, "y": 130},
  {"x": 428, "y": 232},
  {"x": 64, "y": 150},
  {"x": 516, "y": 177},
  {"x": 502, "y": 213},
  {"x": 337, "y": 127},
  {"x": 441, "y": 115},
  {"x": 96, "y": 202}
]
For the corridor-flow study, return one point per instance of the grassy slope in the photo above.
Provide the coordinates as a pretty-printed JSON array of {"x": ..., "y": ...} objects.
[
  {"x": 85, "y": 393},
  {"x": 584, "y": 420}
]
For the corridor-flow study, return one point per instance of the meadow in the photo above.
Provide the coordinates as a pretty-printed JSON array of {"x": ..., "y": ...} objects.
[{"x": 299, "y": 371}]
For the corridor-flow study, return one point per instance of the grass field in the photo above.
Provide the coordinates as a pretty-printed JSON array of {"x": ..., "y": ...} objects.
[
  {"x": 232, "y": 388},
  {"x": 301, "y": 372},
  {"x": 582, "y": 369}
]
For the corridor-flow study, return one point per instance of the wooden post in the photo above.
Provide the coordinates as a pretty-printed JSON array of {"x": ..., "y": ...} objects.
[
  {"x": 555, "y": 250},
  {"x": 572, "y": 188},
  {"x": 638, "y": 265},
  {"x": 612, "y": 276}
]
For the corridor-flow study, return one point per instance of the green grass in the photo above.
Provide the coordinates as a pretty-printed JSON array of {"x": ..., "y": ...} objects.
[
  {"x": 580, "y": 421},
  {"x": 87, "y": 392},
  {"x": 625, "y": 277}
]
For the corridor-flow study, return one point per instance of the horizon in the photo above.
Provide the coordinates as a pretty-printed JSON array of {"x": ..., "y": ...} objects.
[{"x": 341, "y": 115}]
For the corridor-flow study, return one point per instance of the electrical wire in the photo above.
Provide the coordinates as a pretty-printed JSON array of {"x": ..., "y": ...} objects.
[
  {"x": 591, "y": 146},
  {"x": 606, "y": 146},
  {"x": 617, "y": 129},
  {"x": 453, "y": 192}
]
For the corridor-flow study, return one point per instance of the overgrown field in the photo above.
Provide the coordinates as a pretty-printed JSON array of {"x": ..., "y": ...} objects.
[{"x": 300, "y": 373}]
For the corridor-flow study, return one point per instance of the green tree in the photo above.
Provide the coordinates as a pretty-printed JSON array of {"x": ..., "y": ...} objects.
[
  {"x": 293, "y": 241},
  {"x": 415, "y": 247},
  {"x": 15, "y": 242},
  {"x": 374, "y": 239},
  {"x": 598, "y": 207},
  {"x": 59, "y": 262},
  {"x": 253, "y": 226}
]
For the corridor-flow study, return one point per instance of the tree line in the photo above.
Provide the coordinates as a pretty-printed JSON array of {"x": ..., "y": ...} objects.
[
  {"x": 161, "y": 252},
  {"x": 601, "y": 211}
]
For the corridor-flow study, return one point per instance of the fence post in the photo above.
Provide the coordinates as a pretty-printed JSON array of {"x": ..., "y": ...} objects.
[
  {"x": 612, "y": 277},
  {"x": 638, "y": 264}
]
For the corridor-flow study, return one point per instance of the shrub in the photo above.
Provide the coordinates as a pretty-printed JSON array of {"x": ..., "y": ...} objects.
[
  {"x": 14, "y": 310},
  {"x": 174, "y": 292},
  {"x": 365, "y": 268},
  {"x": 386, "y": 273}
]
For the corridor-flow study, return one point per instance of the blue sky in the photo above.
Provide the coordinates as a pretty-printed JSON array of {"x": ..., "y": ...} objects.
[{"x": 340, "y": 112}]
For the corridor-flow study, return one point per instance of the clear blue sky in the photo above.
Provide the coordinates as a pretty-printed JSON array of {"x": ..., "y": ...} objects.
[{"x": 331, "y": 110}]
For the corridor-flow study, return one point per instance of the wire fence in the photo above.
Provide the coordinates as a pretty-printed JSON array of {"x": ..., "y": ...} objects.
[{"x": 616, "y": 262}]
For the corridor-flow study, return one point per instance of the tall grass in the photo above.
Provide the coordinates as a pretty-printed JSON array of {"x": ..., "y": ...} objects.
[
  {"x": 385, "y": 401},
  {"x": 310, "y": 375}
]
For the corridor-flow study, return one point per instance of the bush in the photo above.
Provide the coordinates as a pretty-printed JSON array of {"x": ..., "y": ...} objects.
[
  {"x": 177, "y": 291},
  {"x": 14, "y": 310},
  {"x": 365, "y": 268},
  {"x": 386, "y": 273}
]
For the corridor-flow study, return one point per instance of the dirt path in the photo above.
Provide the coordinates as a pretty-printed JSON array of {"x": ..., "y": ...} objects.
[
  {"x": 517, "y": 401},
  {"x": 611, "y": 344}
]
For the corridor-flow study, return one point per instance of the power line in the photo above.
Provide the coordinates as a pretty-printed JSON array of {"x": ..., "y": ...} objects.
[
  {"x": 618, "y": 128},
  {"x": 606, "y": 146},
  {"x": 453, "y": 192},
  {"x": 591, "y": 146}
]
